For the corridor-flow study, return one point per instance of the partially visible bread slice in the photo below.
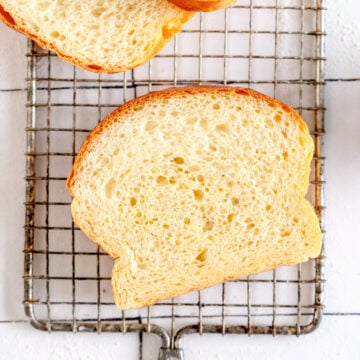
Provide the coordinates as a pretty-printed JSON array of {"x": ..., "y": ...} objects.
[
  {"x": 189, "y": 187},
  {"x": 203, "y": 5},
  {"x": 101, "y": 36}
]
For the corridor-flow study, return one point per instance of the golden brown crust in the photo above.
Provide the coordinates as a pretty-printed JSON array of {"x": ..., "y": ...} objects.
[
  {"x": 6, "y": 17},
  {"x": 116, "y": 114},
  {"x": 171, "y": 30},
  {"x": 202, "y": 5}
]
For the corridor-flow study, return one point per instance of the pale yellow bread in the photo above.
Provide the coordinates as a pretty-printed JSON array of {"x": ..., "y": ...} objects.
[
  {"x": 203, "y": 5},
  {"x": 101, "y": 36},
  {"x": 189, "y": 187}
]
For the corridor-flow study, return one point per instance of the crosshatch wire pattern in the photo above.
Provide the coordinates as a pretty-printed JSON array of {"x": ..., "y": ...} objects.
[{"x": 273, "y": 46}]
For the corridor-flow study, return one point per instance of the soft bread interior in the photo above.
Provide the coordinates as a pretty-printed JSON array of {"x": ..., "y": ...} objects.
[
  {"x": 187, "y": 188},
  {"x": 102, "y": 36}
]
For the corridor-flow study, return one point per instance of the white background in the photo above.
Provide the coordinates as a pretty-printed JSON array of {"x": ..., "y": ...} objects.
[{"x": 337, "y": 336}]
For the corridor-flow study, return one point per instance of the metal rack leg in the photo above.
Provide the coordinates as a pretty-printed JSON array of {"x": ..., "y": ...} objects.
[{"x": 171, "y": 354}]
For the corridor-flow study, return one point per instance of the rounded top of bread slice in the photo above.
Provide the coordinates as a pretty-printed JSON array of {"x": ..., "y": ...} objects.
[
  {"x": 189, "y": 187},
  {"x": 216, "y": 112},
  {"x": 101, "y": 36},
  {"x": 203, "y": 5}
]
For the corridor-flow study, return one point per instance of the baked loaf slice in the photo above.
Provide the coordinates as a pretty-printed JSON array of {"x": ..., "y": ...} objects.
[
  {"x": 203, "y": 5},
  {"x": 189, "y": 187},
  {"x": 101, "y": 36}
]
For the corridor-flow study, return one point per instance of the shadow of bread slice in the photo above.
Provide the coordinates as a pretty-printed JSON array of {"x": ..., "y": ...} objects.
[
  {"x": 203, "y": 5},
  {"x": 101, "y": 36},
  {"x": 188, "y": 187}
]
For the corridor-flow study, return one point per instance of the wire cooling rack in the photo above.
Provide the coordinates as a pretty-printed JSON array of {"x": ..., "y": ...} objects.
[{"x": 273, "y": 46}]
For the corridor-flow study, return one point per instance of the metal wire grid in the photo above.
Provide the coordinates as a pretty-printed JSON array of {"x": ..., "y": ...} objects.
[{"x": 273, "y": 46}]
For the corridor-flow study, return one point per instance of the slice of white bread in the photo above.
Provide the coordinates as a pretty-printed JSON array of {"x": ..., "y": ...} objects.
[
  {"x": 101, "y": 36},
  {"x": 203, "y": 5},
  {"x": 189, "y": 187}
]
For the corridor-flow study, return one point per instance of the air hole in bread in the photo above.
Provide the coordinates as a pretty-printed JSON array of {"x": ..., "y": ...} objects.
[
  {"x": 235, "y": 201},
  {"x": 216, "y": 106},
  {"x": 250, "y": 226},
  {"x": 200, "y": 178},
  {"x": 198, "y": 195},
  {"x": 277, "y": 118},
  {"x": 230, "y": 218},
  {"x": 285, "y": 233},
  {"x": 55, "y": 34},
  {"x": 179, "y": 160},
  {"x": 142, "y": 265},
  {"x": 269, "y": 124},
  {"x": 151, "y": 125},
  {"x": 301, "y": 141},
  {"x": 109, "y": 188},
  {"x": 208, "y": 226},
  {"x": 96, "y": 172},
  {"x": 204, "y": 123},
  {"x": 268, "y": 207},
  {"x": 162, "y": 180},
  {"x": 186, "y": 221},
  {"x": 213, "y": 148},
  {"x": 97, "y": 12},
  {"x": 191, "y": 120},
  {"x": 133, "y": 201},
  {"x": 202, "y": 255},
  {"x": 224, "y": 128}
]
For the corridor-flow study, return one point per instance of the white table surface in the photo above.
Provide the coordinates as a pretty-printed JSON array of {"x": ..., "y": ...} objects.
[{"x": 336, "y": 338}]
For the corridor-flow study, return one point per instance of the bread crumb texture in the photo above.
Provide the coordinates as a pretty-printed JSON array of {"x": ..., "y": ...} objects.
[
  {"x": 102, "y": 36},
  {"x": 189, "y": 187}
]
